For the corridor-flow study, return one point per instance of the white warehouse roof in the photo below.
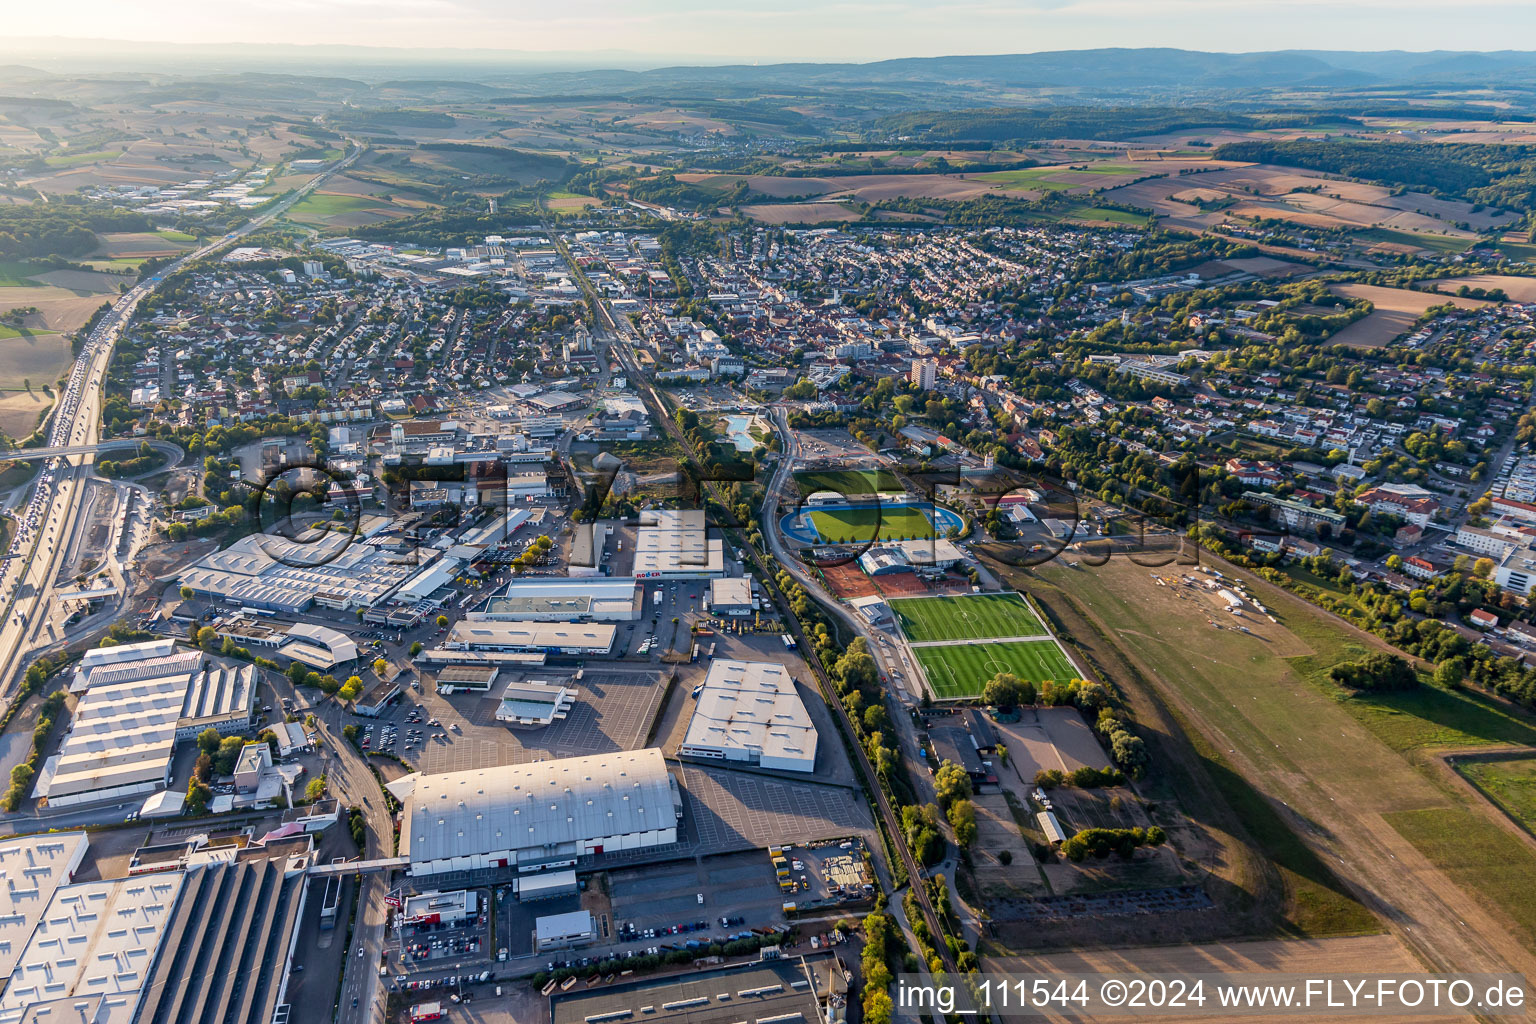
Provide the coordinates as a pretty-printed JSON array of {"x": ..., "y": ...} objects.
[
  {"x": 31, "y": 869},
  {"x": 97, "y": 939},
  {"x": 749, "y": 711},
  {"x": 547, "y": 804}
]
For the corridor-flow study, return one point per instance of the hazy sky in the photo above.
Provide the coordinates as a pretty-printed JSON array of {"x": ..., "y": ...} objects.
[{"x": 794, "y": 29}]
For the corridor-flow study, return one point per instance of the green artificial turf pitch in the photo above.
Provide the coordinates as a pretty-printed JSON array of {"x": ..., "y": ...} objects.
[
  {"x": 961, "y": 670},
  {"x": 968, "y": 617}
]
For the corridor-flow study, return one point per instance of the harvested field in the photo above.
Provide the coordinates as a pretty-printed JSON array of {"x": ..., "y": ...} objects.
[
  {"x": 19, "y": 412},
  {"x": 1519, "y": 289},
  {"x": 139, "y": 244},
  {"x": 1397, "y": 309},
  {"x": 59, "y": 309},
  {"x": 799, "y": 213},
  {"x": 39, "y": 358}
]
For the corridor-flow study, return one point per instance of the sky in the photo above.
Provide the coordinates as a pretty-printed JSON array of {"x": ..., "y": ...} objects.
[{"x": 709, "y": 31}]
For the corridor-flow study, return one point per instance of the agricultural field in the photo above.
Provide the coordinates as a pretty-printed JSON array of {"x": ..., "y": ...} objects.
[
  {"x": 870, "y": 523},
  {"x": 851, "y": 483},
  {"x": 38, "y": 358},
  {"x": 1508, "y": 782},
  {"x": 959, "y": 671},
  {"x": 334, "y": 210},
  {"x": 1318, "y": 775},
  {"x": 966, "y": 617},
  {"x": 1519, "y": 289},
  {"x": 1413, "y": 220},
  {"x": 1397, "y": 309},
  {"x": 799, "y": 213}
]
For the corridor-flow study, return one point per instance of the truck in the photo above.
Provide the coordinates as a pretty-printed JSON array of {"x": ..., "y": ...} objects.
[
  {"x": 657, "y": 597},
  {"x": 789, "y": 641}
]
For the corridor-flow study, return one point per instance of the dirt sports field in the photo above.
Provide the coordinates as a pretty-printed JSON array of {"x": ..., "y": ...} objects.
[
  {"x": 1350, "y": 776},
  {"x": 1373, "y": 954},
  {"x": 1396, "y": 311}
]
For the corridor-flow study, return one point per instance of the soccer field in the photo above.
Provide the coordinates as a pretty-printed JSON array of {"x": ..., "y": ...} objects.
[
  {"x": 861, "y": 525},
  {"x": 968, "y": 617},
  {"x": 851, "y": 483},
  {"x": 961, "y": 670}
]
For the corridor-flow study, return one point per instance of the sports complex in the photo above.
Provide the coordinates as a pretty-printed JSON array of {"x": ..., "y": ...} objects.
[
  {"x": 866, "y": 522},
  {"x": 961, "y": 642}
]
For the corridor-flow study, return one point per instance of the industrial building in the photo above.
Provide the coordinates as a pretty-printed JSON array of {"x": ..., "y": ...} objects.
[
  {"x": 564, "y": 931},
  {"x": 618, "y": 599},
  {"x": 533, "y": 637},
  {"x": 675, "y": 544},
  {"x": 440, "y": 907},
  {"x": 135, "y": 708},
  {"x": 730, "y": 596},
  {"x": 534, "y": 816},
  {"x": 319, "y": 647},
  {"x": 534, "y": 704},
  {"x": 226, "y": 952},
  {"x": 334, "y": 569},
  {"x": 106, "y": 970},
  {"x": 32, "y": 868},
  {"x": 749, "y": 712}
]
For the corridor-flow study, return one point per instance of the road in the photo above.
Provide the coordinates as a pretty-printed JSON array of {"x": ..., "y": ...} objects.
[
  {"x": 610, "y": 331},
  {"x": 48, "y": 523},
  {"x": 350, "y": 781}
]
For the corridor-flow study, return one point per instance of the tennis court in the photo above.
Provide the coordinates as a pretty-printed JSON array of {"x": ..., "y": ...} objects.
[
  {"x": 966, "y": 617},
  {"x": 959, "y": 670}
]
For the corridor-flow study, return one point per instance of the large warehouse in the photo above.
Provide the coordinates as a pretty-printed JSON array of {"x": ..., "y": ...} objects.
[
  {"x": 674, "y": 544},
  {"x": 532, "y": 637},
  {"x": 749, "y": 712},
  {"x": 334, "y": 570},
  {"x": 138, "y": 702},
  {"x": 618, "y": 599},
  {"x": 541, "y": 815}
]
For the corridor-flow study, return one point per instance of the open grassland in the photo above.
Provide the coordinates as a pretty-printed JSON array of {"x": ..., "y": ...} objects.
[
  {"x": 972, "y": 617},
  {"x": 851, "y": 483},
  {"x": 1346, "y": 773},
  {"x": 1508, "y": 782},
  {"x": 870, "y": 523},
  {"x": 960, "y": 670}
]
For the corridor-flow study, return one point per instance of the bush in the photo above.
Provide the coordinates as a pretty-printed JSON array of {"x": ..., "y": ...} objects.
[
  {"x": 1100, "y": 842},
  {"x": 1379, "y": 672}
]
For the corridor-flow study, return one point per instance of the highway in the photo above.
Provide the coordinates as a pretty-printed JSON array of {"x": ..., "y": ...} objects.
[{"x": 47, "y": 524}]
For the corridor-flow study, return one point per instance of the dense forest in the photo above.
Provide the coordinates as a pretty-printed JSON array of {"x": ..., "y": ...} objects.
[
  {"x": 1503, "y": 176},
  {"x": 61, "y": 228}
]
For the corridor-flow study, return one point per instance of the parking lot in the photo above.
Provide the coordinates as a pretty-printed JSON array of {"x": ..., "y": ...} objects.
[
  {"x": 727, "y": 811},
  {"x": 613, "y": 711}
]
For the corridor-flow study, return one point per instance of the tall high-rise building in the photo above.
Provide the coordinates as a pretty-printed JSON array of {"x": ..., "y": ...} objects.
[{"x": 924, "y": 373}]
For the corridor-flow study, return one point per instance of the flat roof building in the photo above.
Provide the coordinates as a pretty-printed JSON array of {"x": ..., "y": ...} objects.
[
  {"x": 750, "y": 712},
  {"x": 534, "y": 704},
  {"x": 131, "y": 715},
  {"x": 613, "y": 599},
  {"x": 546, "y": 637},
  {"x": 32, "y": 869},
  {"x": 549, "y": 813},
  {"x": 562, "y": 931},
  {"x": 730, "y": 596},
  {"x": 675, "y": 544},
  {"x": 97, "y": 940}
]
